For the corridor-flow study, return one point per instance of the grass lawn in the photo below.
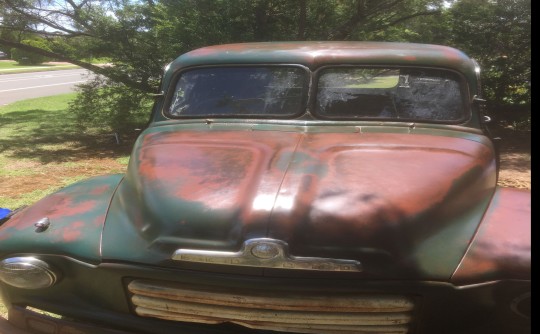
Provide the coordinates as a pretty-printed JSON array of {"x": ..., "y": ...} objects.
[
  {"x": 11, "y": 66},
  {"x": 42, "y": 150}
]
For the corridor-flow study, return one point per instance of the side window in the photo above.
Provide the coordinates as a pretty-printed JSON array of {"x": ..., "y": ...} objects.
[
  {"x": 429, "y": 95},
  {"x": 390, "y": 93}
]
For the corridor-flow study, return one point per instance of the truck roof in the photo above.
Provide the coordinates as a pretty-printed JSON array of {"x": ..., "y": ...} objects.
[{"x": 316, "y": 54}]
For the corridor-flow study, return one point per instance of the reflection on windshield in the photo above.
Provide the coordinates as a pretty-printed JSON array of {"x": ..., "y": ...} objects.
[
  {"x": 399, "y": 94},
  {"x": 406, "y": 94},
  {"x": 240, "y": 91}
]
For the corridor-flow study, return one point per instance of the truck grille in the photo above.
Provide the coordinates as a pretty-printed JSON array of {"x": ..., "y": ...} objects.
[{"x": 295, "y": 312}]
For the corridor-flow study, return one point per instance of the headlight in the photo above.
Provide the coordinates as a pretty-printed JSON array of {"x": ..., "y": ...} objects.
[{"x": 27, "y": 273}]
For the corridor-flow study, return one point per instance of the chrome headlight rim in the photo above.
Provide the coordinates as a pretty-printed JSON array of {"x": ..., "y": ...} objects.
[
  {"x": 31, "y": 263},
  {"x": 517, "y": 305}
]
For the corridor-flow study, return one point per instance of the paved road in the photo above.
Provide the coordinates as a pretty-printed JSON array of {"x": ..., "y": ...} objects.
[{"x": 15, "y": 87}]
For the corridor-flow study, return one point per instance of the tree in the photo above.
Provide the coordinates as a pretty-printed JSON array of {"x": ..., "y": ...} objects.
[
  {"x": 498, "y": 34},
  {"x": 141, "y": 36},
  {"x": 91, "y": 20},
  {"x": 30, "y": 58}
]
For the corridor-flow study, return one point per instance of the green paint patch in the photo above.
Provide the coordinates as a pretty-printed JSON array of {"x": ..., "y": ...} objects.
[{"x": 42, "y": 150}]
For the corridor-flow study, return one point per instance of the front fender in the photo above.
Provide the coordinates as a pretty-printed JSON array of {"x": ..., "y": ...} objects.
[
  {"x": 76, "y": 215},
  {"x": 501, "y": 248}
]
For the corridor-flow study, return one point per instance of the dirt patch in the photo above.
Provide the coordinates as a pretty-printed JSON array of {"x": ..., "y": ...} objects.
[
  {"x": 515, "y": 158},
  {"x": 54, "y": 175}
]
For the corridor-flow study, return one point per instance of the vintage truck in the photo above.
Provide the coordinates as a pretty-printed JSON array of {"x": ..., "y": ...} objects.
[{"x": 295, "y": 187}]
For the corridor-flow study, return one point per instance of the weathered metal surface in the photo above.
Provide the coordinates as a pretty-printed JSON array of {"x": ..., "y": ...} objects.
[
  {"x": 338, "y": 195},
  {"x": 301, "y": 313},
  {"x": 98, "y": 294},
  {"x": 8, "y": 328},
  {"x": 266, "y": 253},
  {"x": 315, "y": 54},
  {"x": 501, "y": 248},
  {"x": 29, "y": 322},
  {"x": 262, "y": 299},
  {"x": 76, "y": 215}
]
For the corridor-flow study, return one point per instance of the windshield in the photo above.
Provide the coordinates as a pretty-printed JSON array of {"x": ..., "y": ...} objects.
[
  {"x": 390, "y": 93},
  {"x": 240, "y": 91},
  {"x": 346, "y": 92}
]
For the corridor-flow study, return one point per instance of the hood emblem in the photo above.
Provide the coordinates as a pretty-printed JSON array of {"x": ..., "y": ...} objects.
[
  {"x": 265, "y": 250},
  {"x": 266, "y": 253}
]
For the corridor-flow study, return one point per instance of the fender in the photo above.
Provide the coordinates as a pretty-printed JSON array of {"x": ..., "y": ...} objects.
[
  {"x": 76, "y": 215},
  {"x": 501, "y": 248}
]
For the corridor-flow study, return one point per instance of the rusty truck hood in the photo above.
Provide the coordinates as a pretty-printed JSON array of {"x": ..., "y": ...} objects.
[{"x": 400, "y": 203}]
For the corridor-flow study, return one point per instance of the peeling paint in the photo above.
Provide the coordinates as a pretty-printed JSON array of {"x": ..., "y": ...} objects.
[
  {"x": 317, "y": 191},
  {"x": 76, "y": 214},
  {"x": 502, "y": 246}
]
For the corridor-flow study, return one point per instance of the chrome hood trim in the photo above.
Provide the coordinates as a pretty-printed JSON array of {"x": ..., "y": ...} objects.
[{"x": 266, "y": 253}]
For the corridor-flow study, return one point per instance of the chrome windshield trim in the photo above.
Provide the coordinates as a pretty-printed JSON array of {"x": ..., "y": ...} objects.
[{"x": 266, "y": 253}]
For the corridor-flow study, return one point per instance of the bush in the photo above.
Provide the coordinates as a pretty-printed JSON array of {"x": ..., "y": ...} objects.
[
  {"x": 29, "y": 58},
  {"x": 105, "y": 106}
]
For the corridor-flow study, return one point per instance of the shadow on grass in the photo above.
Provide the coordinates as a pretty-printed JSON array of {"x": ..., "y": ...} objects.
[
  {"x": 515, "y": 149},
  {"x": 516, "y": 164},
  {"x": 516, "y": 141},
  {"x": 52, "y": 136}
]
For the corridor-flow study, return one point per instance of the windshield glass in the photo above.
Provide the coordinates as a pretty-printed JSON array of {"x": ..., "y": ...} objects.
[
  {"x": 390, "y": 93},
  {"x": 240, "y": 91}
]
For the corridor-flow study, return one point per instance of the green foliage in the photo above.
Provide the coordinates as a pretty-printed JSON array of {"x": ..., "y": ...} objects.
[
  {"x": 110, "y": 107},
  {"x": 63, "y": 47},
  {"x": 139, "y": 37},
  {"x": 498, "y": 34},
  {"x": 30, "y": 58}
]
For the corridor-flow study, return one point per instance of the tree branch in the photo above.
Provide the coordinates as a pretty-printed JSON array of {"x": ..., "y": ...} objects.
[
  {"x": 346, "y": 28},
  {"x": 41, "y": 19},
  {"x": 408, "y": 17},
  {"x": 119, "y": 77},
  {"x": 364, "y": 13},
  {"x": 72, "y": 4},
  {"x": 42, "y": 32}
]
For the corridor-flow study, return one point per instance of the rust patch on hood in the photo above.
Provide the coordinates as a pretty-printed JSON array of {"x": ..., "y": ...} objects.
[
  {"x": 192, "y": 183},
  {"x": 56, "y": 207},
  {"x": 339, "y": 195},
  {"x": 380, "y": 194}
]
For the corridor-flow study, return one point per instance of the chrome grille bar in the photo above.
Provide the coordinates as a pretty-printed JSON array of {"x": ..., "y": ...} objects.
[{"x": 258, "y": 309}]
